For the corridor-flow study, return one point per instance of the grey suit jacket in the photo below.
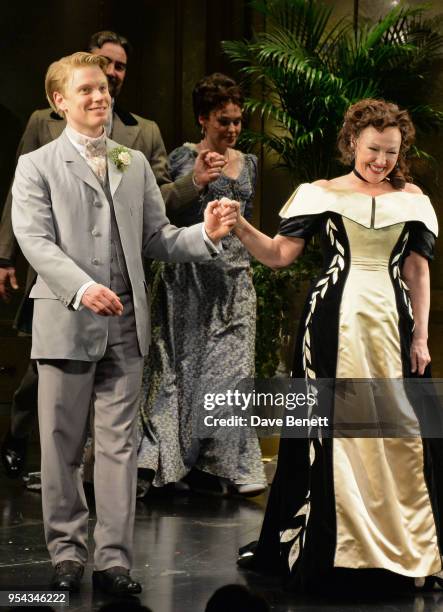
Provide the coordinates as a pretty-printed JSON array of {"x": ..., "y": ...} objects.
[
  {"x": 128, "y": 129},
  {"x": 61, "y": 219}
]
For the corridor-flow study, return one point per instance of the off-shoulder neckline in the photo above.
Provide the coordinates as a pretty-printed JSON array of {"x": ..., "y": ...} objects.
[{"x": 365, "y": 195}]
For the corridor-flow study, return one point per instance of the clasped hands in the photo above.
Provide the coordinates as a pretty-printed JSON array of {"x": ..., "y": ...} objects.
[
  {"x": 208, "y": 167},
  {"x": 221, "y": 216}
]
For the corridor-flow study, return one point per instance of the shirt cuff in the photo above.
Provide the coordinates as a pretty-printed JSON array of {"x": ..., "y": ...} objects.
[
  {"x": 213, "y": 248},
  {"x": 76, "y": 304}
]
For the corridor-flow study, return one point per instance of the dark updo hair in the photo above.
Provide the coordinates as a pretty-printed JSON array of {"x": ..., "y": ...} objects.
[
  {"x": 213, "y": 92},
  {"x": 380, "y": 115}
]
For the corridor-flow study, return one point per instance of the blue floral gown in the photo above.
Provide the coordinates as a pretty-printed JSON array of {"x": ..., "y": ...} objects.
[{"x": 203, "y": 340}]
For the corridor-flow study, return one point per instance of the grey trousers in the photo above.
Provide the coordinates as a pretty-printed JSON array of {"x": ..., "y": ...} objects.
[{"x": 66, "y": 390}]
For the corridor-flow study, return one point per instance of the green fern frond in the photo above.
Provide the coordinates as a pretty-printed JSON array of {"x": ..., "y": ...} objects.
[
  {"x": 417, "y": 153},
  {"x": 269, "y": 110}
]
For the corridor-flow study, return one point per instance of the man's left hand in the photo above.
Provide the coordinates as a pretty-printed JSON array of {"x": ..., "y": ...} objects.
[{"x": 220, "y": 218}]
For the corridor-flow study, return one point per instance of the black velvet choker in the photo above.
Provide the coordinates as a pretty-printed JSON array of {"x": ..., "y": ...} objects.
[{"x": 358, "y": 175}]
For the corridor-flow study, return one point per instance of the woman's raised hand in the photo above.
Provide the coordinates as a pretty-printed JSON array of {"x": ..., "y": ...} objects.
[{"x": 208, "y": 167}]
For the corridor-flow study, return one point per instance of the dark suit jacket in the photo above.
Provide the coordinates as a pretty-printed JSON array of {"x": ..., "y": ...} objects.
[{"x": 128, "y": 129}]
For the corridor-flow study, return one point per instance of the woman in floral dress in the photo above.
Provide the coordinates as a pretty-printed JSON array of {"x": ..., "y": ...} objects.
[{"x": 203, "y": 322}]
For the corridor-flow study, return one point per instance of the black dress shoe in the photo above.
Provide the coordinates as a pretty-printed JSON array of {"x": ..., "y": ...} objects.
[
  {"x": 116, "y": 581},
  {"x": 67, "y": 576},
  {"x": 13, "y": 453}
]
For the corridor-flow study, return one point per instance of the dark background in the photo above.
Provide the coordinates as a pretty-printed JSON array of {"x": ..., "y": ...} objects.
[{"x": 175, "y": 43}]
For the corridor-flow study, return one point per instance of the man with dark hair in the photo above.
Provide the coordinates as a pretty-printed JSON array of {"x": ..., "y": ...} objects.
[
  {"x": 99, "y": 39},
  {"x": 116, "y": 49},
  {"x": 127, "y": 129}
]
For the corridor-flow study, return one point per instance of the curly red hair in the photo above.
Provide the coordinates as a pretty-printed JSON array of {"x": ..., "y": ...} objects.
[{"x": 380, "y": 115}]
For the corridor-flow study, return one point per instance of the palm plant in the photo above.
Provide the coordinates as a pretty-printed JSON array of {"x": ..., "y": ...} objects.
[{"x": 311, "y": 67}]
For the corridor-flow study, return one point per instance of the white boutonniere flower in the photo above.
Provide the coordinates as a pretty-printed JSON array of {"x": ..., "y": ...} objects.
[{"x": 121, "y": 157}]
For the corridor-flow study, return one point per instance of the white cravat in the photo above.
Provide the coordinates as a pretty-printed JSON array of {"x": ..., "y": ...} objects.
[{"x": 93, "y": 150}]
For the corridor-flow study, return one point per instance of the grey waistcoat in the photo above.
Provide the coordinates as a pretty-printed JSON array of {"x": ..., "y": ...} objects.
[{"x": 119, "y": 277}]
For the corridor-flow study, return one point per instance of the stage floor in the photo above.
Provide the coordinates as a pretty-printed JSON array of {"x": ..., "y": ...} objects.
[{"x": 185, "y": 548}]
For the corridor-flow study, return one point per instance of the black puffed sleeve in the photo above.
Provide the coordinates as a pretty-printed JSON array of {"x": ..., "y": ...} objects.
[
  {"x": 304, "y": 226},
  {"x": 420, "y": 240}
]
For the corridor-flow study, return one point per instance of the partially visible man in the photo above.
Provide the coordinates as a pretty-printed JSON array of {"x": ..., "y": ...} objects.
[
  {"x": 127, "y": 129},
  {"x": 91, "y": 321}
]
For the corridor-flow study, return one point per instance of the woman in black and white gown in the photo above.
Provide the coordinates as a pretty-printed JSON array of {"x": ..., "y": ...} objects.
[{"x": 357, "y": 502}]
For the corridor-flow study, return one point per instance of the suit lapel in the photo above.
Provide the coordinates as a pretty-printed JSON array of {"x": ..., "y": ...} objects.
[
  {"x": 115, "y": 175},
  {"x": 124, "y": 134},
  {"x": 76, "y": 164}
]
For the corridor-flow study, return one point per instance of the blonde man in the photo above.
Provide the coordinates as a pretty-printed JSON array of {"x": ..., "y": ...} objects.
[
  {"x": 125, "y": 128},
  {"x": 84, "y": 212}
]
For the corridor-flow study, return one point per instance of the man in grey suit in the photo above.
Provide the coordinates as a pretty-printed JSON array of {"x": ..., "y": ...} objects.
[
  {"x": 84, "y": 212},
  {"x": 127, "y": 129}
]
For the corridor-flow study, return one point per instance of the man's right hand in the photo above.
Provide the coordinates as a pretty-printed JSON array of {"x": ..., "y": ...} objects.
[
  {"x": 102, "y": 301},
  {"x": 8, "y": 281}
]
